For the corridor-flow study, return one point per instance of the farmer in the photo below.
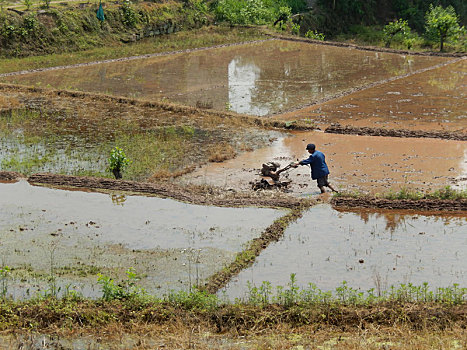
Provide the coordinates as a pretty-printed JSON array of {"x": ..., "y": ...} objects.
[{"x": 319, "y": 169}]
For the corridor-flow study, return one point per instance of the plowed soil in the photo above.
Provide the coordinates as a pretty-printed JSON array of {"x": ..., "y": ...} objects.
[
  {"x": 191, "y": 194},
  {"x": 352, "y": 130},
  {"x": 419, "y": 205}
]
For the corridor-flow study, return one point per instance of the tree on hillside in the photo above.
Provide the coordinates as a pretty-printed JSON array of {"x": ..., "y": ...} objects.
[
  {"x": 442, "y": 24},
  {"x": 398, "y": 27}
]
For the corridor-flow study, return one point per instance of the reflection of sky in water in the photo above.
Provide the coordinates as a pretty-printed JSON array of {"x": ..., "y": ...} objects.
[
  {"x": 260, "y": 78},
  {"x": 242, "y": 86}
]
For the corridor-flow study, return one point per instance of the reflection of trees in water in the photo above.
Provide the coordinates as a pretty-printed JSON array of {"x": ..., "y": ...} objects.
[
  {"x": 397, "y": 65},
  {"x": 446, "y": 80},
  {"x": 396, "y": 219}
]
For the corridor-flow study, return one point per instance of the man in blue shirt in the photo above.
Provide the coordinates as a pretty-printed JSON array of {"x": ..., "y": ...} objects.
[{"x": 319, "y": 169}]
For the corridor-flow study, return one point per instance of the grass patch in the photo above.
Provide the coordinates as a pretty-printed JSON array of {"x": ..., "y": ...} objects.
[
  {"x": 74, "y": 137},
  {"x": 446, "y": 193}
]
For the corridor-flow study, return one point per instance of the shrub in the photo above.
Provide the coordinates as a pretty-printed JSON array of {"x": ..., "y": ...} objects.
[
  {"x": 442, "y": 24},
  {"x": 398, "y": 29},
  {"x": 118, "y": 161},
  {"x": 314, "y": 35}
]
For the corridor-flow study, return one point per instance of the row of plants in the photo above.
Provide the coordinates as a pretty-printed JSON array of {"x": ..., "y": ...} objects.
[
  {"x": 445, "y": 193},
  {"x": 263, "y": 295}
]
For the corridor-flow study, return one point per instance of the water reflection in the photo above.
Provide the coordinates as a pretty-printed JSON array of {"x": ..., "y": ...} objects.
[
  {"x": 260, "y": 78},
  {"x": 400, "y": 219},
  {"x": 368, "y": 249},
  {"x": 242, "y": 85},
  {"x": 118, "y": 199}
]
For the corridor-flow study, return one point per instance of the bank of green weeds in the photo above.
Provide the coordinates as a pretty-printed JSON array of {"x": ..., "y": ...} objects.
[
  {"x": 445, "y": 193},
  {"x": 417, "y": 307},
  {"x": 72, "y": 28}
]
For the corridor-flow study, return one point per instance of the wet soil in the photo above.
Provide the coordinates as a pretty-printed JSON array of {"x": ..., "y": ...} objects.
[
  {"x": 362, "y": 164},
  {"x": 432, "y": 100},
  {"x": 339, "y": 129},
  {"x": 418, "y": 205},
  {"x": 10, "y": 176},
  {"x": 190, "y": 194}
]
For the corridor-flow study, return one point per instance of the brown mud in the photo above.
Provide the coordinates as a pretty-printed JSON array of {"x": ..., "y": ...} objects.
[
  {"x": 10, "y": 176},
  {"x": 418, "y": 205},
  {"x": 190, "y": 194},
  {"x": 363, "y": 164},
  {"x": 432, "y": 100},
  {"x": 352, "y": 130}
]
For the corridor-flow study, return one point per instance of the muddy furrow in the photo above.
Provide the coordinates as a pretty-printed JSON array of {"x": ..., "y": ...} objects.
[
  {"x": 352, "y": 130},
  {"x": 419, "y": 204},
  {"x": 188, "y": 194},
  {"x": 10, "y": 176}
]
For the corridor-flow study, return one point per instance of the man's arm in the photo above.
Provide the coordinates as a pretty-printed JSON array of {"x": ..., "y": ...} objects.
[{"x": 307, "y": 161}]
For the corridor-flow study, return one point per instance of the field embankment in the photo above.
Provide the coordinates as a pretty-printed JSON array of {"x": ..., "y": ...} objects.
[{"x": 52, "y": 30}]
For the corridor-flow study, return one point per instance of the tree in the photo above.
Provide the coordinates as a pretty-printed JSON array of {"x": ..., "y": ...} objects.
[
  {"x": 442, "y": 24},
  {"x": 398, "y": 27}
]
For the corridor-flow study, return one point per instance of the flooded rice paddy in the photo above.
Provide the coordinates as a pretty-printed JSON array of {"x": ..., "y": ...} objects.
[
  {"x": 75, "y": 235},
  {"x": 365, "y": 164},
  {"x": 368, "y": 249},
  {"x": 240, "y": 78},
  {"x": 432, "y": 100}
]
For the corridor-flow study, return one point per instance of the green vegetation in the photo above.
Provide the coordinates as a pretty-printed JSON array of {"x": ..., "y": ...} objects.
[
  {"x": 398, "y": 29},
  {"x": 443, "y": 25},
  {"x": 117, "y": 162},
  {"x": 127, "y": 304},
  {"x": 78, "y": 29},
  {"x": 256, "y": 11},
  {"x": 203, "y": 37},
  {"x": 444, "y": 193},
  {"x": 314, "y": 35}
]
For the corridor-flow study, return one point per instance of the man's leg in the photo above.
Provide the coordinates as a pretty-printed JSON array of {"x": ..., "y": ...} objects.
[
  {"x": 321, "y": 183},
  {"x": 332, "y": 188}
]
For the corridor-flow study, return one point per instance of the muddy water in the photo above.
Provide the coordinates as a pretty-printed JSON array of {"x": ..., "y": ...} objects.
[
  {"x": 172, "y": 245},
  {"x": 260, "y": 78},
  {"x": 433, "y": 100},
  {"x": 367, "y": 249},
  {"x": 357, "y": 163}
]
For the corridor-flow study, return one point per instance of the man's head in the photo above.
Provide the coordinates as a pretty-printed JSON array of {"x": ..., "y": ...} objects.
[{"x": 310, "y": 148}]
